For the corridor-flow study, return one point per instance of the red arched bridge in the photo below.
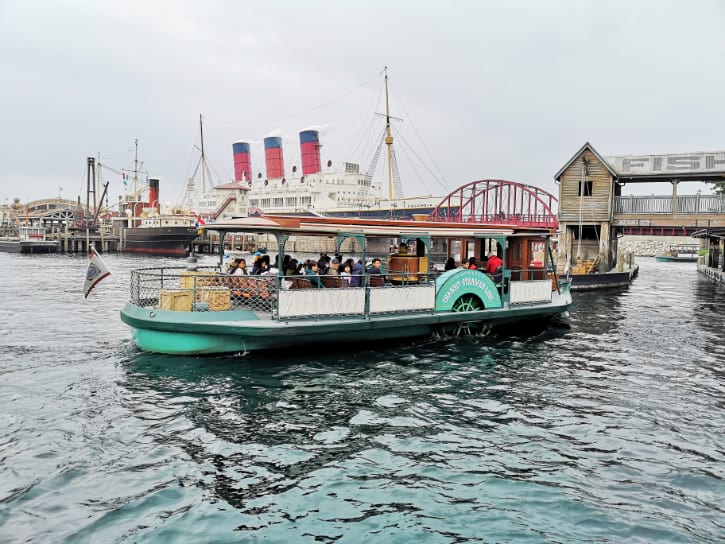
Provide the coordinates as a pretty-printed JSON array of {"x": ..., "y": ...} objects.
[{"x": 498, "y": 201}]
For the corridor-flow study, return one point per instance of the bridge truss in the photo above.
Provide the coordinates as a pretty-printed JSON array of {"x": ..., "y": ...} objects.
[{"x": 497, "y": 201}]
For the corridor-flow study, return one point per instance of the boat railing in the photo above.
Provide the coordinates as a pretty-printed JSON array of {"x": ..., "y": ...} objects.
[
  {"x": 280, "y": 297},
  {"x": 205, "y": 289}
]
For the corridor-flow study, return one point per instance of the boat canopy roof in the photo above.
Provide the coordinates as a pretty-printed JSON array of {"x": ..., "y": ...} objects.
[{"x": 305, "y": 225}]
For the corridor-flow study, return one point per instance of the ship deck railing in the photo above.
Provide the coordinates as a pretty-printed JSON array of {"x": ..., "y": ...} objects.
[{"x": 286, "y": 298}]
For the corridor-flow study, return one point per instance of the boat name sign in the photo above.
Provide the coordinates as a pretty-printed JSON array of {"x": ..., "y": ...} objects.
[{"x": 456, "y": 283}]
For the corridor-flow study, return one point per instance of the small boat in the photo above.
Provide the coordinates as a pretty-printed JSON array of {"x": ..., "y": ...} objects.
[
  {"x": 681, "y": 253},
  {"x": 603, "y": 280},
  {"x": 203, "y": 311},
  {"x": 170, "y": 235},
  {"x": 585, "y": 277},
  {"x": 30, "y": 239}
]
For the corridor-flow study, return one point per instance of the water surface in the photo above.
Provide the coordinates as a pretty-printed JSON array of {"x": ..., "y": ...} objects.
[{"x": 605, "y": 430}]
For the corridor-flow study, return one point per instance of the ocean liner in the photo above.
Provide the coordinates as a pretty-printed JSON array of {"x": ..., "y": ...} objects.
[{"x": 345, "y": 191}]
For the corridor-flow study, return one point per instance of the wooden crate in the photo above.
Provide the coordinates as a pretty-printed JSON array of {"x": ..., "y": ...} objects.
[
  {"x": 178, "y": 300},
  {"x": 219, "y": 300},
  {"x": 186, "y": 281}
]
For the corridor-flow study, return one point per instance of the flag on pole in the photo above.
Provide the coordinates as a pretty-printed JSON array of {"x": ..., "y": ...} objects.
[
  {"x": 97, "y": 270},
  {"x": 200, "y": 221}
]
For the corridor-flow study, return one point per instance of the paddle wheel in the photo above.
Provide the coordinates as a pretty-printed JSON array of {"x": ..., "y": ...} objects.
[{"x": 496, "y": 201}]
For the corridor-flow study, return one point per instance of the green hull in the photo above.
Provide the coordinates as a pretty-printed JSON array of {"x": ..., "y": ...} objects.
[
  {"x": 194, "y": 333},
  {"x": 668, "y": 258}
]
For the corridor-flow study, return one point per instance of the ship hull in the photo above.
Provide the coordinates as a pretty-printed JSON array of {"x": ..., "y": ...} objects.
[
  {"x": 27, "y": 246},
  {"x": 676, "y": 259},
  {"x": 603, "y": 280},
  {"x": 162, "y": 241}
]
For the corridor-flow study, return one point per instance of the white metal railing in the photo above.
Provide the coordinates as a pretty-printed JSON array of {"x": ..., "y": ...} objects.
[
  {"x": 523, "y": 292},
  {"x": 688, "y": 204}
]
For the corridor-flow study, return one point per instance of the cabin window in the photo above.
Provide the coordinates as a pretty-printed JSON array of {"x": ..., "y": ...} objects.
[
  {"x": 516, "y": 252},
  {"x": 585, "y": 188}
]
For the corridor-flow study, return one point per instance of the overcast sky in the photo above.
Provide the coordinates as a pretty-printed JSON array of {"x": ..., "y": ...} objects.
[{"x": 505, "y": 89}]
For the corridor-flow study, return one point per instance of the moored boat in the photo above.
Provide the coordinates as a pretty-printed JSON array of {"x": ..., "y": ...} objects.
[
  {"x": 604, "y": 280},
  {"x": 145, "y": 229},
  {"x": 200, "y": 311},
  {"x": 30, "y": 239},
  {"x": 681, "y": 253},
  {"x": 168, "y": 235}
]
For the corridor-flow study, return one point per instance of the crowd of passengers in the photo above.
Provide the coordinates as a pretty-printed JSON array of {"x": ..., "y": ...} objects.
[
  {"x": 350, "y": 270},
  {"x": 491, "y": 264}
]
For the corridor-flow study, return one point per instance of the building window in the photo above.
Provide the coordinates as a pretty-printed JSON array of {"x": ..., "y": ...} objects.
[{"x": 585, "y": 188}]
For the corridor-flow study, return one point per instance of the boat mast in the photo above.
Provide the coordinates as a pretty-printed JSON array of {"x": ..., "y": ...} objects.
[
  {"x": 388, "y": 138},
  {"x": 135, "y": 169},
  {"x": 203, "y": 158}
]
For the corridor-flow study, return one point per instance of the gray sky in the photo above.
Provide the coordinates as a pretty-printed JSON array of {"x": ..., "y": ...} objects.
[{"x": 505, "y": 90}]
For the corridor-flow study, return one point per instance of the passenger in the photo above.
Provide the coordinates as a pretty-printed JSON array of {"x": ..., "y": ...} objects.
[
  {"x": 346, "y": 274},
  {"x": 231, "y": 267},
  {"x": 255, "y": 263},
  {"x": 472, "y": 263},
  {"x": 228, "y": 263},
  {"x": 450, "y": 264},
  {"x": 466, "y": 264},
  {"x": 322, "y": 265},
  {"x": 334, "y": 268},
  {"x": 312, "y": 274},
  {"x": 493, "y": 263},
  {"x": 261, "y": 266},
  {"x": 270, "y": 270},
  {"x": 357, "y": 274},
  {"x": 375, "y": 269},
  {"x": 285, "y": 264},
  {"x": 241, "y": 268},
  {"x": 292, "y": 266},
  {"x": 403, "y": 249}
]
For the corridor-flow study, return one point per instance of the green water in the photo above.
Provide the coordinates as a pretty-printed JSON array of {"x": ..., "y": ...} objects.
[{"x": 608, "y": 429}]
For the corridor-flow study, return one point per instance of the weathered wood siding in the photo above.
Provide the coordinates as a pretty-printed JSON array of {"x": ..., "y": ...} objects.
[{"x": 594, "y": 208}]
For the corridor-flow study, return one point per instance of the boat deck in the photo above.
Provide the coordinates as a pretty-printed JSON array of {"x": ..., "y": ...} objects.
[{"x": 286, "y": 298}]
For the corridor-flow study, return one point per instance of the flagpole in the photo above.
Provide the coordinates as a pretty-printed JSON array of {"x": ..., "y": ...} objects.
[
  {"x": 100, "y": 269},
  {"x": 109, "y": 270}
]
